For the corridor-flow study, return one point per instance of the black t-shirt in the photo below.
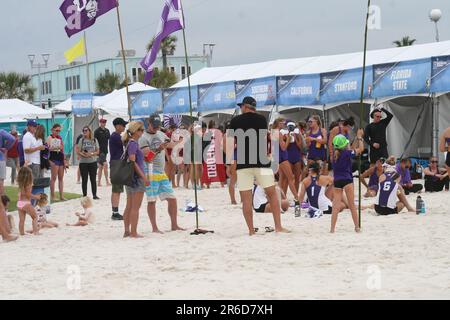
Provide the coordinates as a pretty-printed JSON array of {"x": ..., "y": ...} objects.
[
  {"x": 250, "y": 133},
  {"x": 376, "y": 132},
  {"x": 102, "y": 136}
]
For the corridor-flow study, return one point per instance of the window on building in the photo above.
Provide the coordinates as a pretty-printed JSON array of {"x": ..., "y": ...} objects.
[
  {"x": 106, "y": 72},
  {"x": 172, "y": 69},
  {"x": 72, "y": 83},
  {"x": 183, "y": 72},
  {"x": 134, "y": 76},
  {"x": 46, "y": 87}
]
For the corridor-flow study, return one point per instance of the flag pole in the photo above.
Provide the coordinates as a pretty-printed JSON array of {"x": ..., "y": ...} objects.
[
  {"x": 124, "y": 60},
  {"x": 197, "y": 230},
  {"x": 87, "y": 62},
  {"x": 362, "y": 107}
]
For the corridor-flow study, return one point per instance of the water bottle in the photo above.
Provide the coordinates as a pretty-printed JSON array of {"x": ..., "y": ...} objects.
[
  {"x": 422, "y": 207},
  {"x": 418, "y": 204}
]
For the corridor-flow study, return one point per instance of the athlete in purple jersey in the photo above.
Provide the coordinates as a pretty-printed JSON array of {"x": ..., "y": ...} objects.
[{"x": 373, "y": 173}]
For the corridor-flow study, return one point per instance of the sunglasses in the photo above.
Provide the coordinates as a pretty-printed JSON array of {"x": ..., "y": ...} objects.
[
  {"x": 434, "y": 161},
  {"x": 86, "y": 130}
]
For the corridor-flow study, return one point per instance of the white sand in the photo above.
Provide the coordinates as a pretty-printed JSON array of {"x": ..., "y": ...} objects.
[{"x": 396, "y": 257}]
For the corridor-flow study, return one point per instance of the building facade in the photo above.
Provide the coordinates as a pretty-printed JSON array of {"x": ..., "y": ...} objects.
[{"x": 58, "y": 85}]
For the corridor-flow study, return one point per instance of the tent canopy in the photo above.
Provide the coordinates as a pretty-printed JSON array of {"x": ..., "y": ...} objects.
[
  {"x": 15, "y": 109},
  {"x": 114, "y": 102},
  {"x": 315, "y": 65}
]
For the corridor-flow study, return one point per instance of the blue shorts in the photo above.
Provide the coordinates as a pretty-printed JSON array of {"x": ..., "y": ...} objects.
[{"x": 160, "y": 186}]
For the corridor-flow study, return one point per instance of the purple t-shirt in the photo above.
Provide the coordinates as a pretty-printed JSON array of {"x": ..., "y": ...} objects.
[
  {"x": 405, "y": 176},
  {"x": 115, "y": 146},
  {"x": 133, "y": 149},
  {"x": 6, "y": 143},
  {"x": 342, "y": 167}
]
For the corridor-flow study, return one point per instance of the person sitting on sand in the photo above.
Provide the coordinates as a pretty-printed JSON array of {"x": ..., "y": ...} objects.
[
  {"x": 86, "y": 216},
  {"x": 41, "y": 212},
  {"x": 373, "y": 173},
  {"x": 389, "y": 191},
  {"x": 25, "y": 181},
  {"x": 314, "y": 186},
  {"x": 11, "y": 225},
  {"x": 261, "y": 203},
  {"x": 402, "y": 169},
  {"x": 435, "y": 178}
]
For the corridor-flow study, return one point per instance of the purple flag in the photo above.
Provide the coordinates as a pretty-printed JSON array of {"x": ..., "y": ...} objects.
[
  {"x": 171, "y": 21},
  {"x": 81, "y": 14}
]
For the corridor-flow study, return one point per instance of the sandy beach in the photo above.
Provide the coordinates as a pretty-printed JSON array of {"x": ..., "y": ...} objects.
[{"x": 403, "y": 256}]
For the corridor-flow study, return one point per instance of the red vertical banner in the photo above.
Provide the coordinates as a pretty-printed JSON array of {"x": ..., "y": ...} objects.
[{"x": 213, "y": 166}]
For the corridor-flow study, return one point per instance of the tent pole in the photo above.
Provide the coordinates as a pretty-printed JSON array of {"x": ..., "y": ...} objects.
[
  {"x": 362, "y": 108},
  {"x": 197, "y": 231},
  {"x": 124, "y": 60}
]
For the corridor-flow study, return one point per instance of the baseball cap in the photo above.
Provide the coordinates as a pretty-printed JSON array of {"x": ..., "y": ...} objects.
[
  {"x": 248, "y": 100},
  {"x": 155, "y": 120},
  {"x": 374, "y": 111},
  {"x": 340, "y": 141},
  {"x": 31, "y": 123},
  {"x": 120, "y": 121}
]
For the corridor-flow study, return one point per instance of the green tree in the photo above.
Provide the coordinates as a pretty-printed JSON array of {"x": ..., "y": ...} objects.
[
  {"x": 15, "y": 85},
  {"x": 168, "y": 46},
  {"x": 404, "y": 42},
  {"x": 107, "y": 83},
  {"x": 161, "y": 79}
]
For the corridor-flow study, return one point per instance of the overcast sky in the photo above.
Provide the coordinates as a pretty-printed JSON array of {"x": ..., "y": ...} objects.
[{"x": 244, "y": 31}]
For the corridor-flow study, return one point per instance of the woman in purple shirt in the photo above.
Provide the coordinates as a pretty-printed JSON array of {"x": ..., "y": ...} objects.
[
  {"x": 373, "y": 173},
  {"x": 316, "y": 140},
  {"x": 286, "y": 176},
  {"x": 135, "y": 193},
  {"x": 405, "y": 178},
  {"x": 343, "y": 176}
]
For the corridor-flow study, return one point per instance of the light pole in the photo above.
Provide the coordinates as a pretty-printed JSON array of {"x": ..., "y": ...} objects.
[
  {"x": 45, "y": 57},
  {"x": 435, "y": 15},
  {"x": 208, "y": 56}
]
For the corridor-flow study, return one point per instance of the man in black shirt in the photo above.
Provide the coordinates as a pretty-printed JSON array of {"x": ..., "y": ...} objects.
[
  {"x": 249, "y": 132},
  {"x": 102, "y": 135},
  {"x": 375, "y": 135}
]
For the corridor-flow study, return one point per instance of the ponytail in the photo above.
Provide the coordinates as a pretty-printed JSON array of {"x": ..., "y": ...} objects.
[{"x": 337, "y": 154}]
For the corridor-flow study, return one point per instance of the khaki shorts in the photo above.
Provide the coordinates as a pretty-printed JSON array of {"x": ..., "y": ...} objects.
[{"x": 246, "y": 178}]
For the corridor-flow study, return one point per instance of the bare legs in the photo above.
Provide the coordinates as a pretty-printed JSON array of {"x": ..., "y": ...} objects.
[
  {"x": 337, "y": 205},
  {"x": 286, "y": 171},
  {"x": 173, "y": 213},
  {"x": 131, "y": 214},
  {"x": 57, "y": 172},
  {"x": 28, "y": 209},
  {"x": 231, "y": 172},
  {"x": 246, "y": 198},
  {"x": 103, "y": 169}
]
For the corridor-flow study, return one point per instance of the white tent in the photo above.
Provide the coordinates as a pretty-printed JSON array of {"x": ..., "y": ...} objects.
[
  {"x": 315, "y": 65},
  {"x": 116, "y": 103},
  {"x": 15, "y": 110}
]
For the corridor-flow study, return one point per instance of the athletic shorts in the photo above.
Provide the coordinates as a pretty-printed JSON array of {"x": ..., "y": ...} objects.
[
  {"x": 160, "y": 186},
  {"x": 329, "y": 211},
  {"x": 447, "y": 160},
  {"x": 384, "y": 211},
  {"x": 246, "y": 177},
  {"x": 117, "y": 188},
  {"x": 138, "y": 187},
  {"x": 101, "y": 158},
  {"x": 262, "y": 208},
  {"x": 340, "y": 184},
  {"x": 2, "y": 170}
]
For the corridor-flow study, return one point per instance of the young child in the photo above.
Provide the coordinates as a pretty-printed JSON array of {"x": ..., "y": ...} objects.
[
  {"x": 42, "y": 214},
  {"x": 25, "y": 181},
  {"x": 87, "y": 216},
  {"x": 11, "y": 223}
]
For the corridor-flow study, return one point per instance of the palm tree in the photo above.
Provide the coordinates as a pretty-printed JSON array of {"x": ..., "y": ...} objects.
[
  {"x": 161, "y": 79},
  {"x": 107, "y": 83},
  {"x": 404, "y": 42},
  {"x": 16, "y": 86},
  {"x": 168, "y": 46}
]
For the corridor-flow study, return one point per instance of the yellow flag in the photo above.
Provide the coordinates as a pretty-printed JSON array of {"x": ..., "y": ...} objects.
[{"x": 75, "y": 52}]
